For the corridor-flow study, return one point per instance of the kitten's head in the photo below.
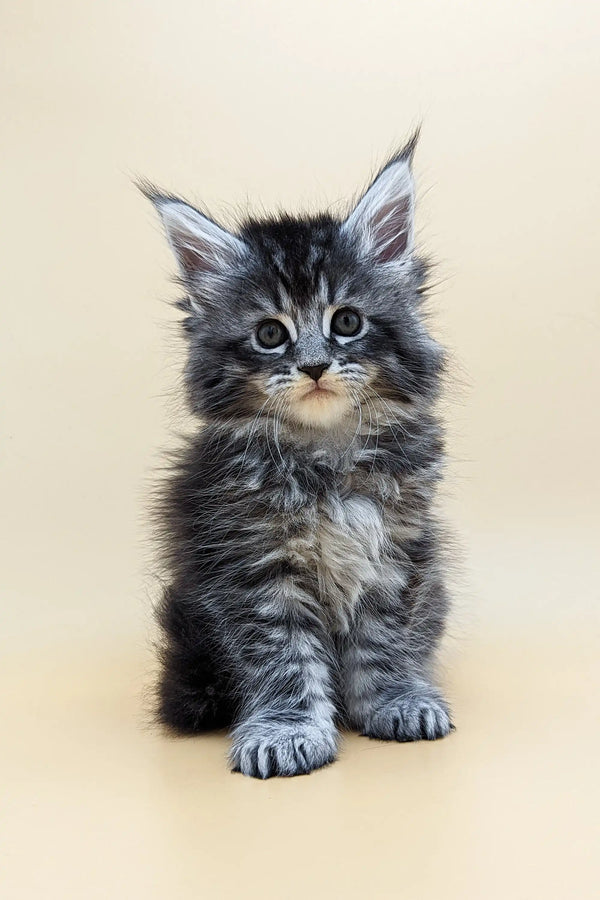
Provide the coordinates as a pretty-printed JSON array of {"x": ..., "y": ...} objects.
[{"x": 313, "y": 320}]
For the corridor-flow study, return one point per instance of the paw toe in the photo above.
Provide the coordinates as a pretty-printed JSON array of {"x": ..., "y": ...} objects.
[
  {"x": 264, "y": 751},
  {"x": 410, "y": 718}
]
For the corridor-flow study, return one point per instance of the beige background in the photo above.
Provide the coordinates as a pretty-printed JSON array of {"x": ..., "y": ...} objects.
[{"x": 293, "y": 104}]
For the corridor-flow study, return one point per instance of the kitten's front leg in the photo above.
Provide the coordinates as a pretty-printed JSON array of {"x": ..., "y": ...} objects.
[
  {"x": 286, "y": 724},
  {"x": 388, "y": 693}
]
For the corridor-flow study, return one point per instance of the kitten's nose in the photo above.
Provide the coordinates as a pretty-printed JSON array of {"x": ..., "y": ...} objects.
[{"x": 314, "y": 372}]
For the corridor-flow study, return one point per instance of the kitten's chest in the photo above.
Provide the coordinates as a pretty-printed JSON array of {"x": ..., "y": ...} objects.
[
  {"x": 343, "y": 539},
  {"x": 350, "y": 542},
  {"x": 346, "y": 533}
]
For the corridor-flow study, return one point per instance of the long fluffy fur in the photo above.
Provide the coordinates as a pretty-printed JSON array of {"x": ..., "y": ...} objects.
[{"x": 306, "y": 588}]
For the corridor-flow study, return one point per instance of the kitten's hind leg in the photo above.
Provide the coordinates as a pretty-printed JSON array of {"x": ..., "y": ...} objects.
[
  {"x": 191, "y": 697},
  {"x": 193, "y": 691}
]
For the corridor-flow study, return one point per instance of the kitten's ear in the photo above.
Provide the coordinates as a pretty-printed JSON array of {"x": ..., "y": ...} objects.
[
  {"x": 199, "y": 244},
  {"x": 383, "y": 220}
]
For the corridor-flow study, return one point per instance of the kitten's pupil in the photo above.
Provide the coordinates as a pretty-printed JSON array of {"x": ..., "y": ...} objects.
[
  {"x": 346, "y": 322},
  {"x": 271, "y": 334}
]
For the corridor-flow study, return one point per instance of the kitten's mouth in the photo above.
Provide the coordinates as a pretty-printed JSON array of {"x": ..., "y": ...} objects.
[
  {"x": 318, "y": 392},
  {"x": 319, "y": 405}
]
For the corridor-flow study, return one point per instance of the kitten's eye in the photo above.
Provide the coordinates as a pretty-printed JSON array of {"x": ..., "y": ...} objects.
[
  {"x": 271, "y": 334},
  {"x": 346, "y": 322}
]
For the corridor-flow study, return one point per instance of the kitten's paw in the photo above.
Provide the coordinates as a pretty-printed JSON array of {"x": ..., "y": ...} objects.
[
  {"x": 263, "y": 750},
  {"x": 410, "y": 717}
]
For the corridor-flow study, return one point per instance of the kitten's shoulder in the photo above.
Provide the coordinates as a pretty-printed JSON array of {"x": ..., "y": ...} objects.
[{"x": 213, "y": 454}]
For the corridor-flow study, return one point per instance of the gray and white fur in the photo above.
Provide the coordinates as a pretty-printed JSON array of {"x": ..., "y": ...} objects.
[{"x": 305, "y": 577}]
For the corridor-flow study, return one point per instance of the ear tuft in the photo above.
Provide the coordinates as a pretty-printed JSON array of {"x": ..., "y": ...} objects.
[
  {"x": 409, "y": 148},
  {"x": 199, "y": 244},
  {"x": 383, "y": 220}
]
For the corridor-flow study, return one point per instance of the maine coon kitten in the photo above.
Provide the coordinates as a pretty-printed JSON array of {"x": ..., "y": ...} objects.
[{"x": 306, "y": 589}]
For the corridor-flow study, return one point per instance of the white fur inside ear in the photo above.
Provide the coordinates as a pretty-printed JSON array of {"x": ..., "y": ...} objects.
[
  {"x": 199, "y": 244},
  {"x": 383, "y": 220}
]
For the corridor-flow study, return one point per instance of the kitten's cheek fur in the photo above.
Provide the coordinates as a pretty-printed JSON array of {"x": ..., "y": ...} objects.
[{"x": 265, "y": 750}]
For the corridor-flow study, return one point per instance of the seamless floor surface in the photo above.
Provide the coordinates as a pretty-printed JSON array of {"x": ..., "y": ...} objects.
[{"x": 97, "y": 805}]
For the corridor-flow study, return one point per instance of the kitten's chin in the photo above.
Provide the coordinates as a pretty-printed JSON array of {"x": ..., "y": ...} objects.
[{"x": 320, "y": 409}]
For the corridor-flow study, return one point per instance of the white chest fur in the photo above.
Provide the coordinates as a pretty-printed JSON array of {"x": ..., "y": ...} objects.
[{"x": 351, "y": 542}]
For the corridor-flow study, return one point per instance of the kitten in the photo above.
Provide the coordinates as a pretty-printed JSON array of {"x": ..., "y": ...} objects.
[{"x": 306, "y": 589}]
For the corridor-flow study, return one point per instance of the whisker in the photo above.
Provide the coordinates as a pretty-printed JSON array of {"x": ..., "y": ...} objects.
[
  {"x": 356, "y": 398},
  {"x": 253, "y": 427},
  {"x": 276, "y": 428}
]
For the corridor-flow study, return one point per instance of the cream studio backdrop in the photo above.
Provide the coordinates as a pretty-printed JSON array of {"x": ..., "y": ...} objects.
[{"x": 289, "y": 105}]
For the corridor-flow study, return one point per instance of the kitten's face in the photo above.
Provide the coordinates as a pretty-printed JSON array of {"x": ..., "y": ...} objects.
[
  {"x": 311, "y": 321},
  {"x": 307, "y": 350},
  {"x": 312, "y": 374}
]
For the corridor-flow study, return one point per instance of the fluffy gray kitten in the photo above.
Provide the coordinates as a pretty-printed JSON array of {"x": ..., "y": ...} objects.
[{"x": 305, "y": 588}]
